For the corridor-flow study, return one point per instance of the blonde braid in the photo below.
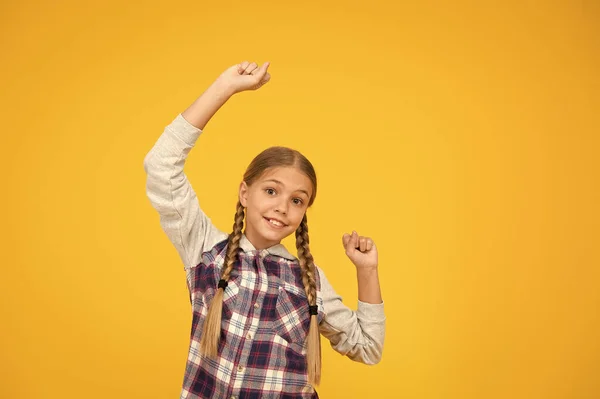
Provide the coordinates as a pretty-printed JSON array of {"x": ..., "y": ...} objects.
[
  {"x": 211, "y": 331},
  {"x": 308, "y": 269}
]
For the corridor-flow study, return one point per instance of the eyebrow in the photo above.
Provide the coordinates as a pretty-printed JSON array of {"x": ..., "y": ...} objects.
[{"x": 280, "y": 183}]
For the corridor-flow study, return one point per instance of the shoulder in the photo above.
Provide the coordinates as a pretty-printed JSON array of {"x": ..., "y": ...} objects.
[
  {"x": 213, "y": 251},
  {"x": 323, "y": 283}
]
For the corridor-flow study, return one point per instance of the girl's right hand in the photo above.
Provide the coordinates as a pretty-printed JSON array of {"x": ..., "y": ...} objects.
[{"x": 245, "y": 76}]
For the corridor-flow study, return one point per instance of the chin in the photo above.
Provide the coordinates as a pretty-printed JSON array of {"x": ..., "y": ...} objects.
[{"x": 275, "y": 237}]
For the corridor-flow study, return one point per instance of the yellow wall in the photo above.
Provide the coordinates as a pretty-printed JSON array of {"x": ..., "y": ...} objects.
[{"x": 462, "y": 137}]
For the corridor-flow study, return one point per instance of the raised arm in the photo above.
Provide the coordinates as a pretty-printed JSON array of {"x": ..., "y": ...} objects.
[
  {"x": 167, "y": 186},
  {"x": 240, "y": 77},
  {"x": 357, "y": 334}
]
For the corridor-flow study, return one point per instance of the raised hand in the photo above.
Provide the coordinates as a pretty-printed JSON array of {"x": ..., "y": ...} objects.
[
  {"x": 246, "y": 76},
  {"x": 361, "y": 250}
]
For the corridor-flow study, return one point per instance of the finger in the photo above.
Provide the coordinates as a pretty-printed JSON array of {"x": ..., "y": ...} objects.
[
  {"x": 261, "y": 72},
  {"x": 242, "y": 66},
  {"x": 345, "y": 239},
  {"x": 251, "y": 67},
  {"x": 355, "y": 243},
  {"x": 349, "y": 247},
  {"x": 254, "y": 70},
  {"x": 369, "y": 244},
  {"x": 363, "y": 244}
]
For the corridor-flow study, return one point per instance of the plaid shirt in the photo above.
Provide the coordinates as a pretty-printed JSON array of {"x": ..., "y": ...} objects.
[
  {"x": 265, "y": 310},
  {"x": 265, "y": 323}
]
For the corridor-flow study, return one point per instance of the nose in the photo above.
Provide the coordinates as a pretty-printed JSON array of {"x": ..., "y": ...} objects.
[{"x": 282, "y": 207}]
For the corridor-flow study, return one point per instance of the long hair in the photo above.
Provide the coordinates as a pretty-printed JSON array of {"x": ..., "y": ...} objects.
[{"x": 270, "y": 158}]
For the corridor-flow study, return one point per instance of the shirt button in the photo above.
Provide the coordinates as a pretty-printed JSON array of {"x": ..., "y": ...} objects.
[
  {"x": 240, "y": 369},
  {"x": 256, "y": 305},
  {"x": 249, "y": 336}
]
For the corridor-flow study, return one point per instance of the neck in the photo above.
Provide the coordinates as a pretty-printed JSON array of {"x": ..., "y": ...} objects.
[{"x": 259, "y": 243}]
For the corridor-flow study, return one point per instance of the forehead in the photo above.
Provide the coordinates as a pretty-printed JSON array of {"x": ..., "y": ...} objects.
[{"x": 290, "y": 177}]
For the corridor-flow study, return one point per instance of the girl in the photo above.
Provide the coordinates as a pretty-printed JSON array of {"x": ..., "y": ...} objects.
[{"x": 257, "y": 309}]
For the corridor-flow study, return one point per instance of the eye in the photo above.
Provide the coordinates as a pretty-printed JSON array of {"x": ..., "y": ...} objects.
[
  {"x": 270, "y": 191},
  {"x": 298, "y": 201}
]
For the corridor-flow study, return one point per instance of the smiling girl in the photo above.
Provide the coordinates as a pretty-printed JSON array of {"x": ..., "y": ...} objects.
[{"x": 257, "y": 310}]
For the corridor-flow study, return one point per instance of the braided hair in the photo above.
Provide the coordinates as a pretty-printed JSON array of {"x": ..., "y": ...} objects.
[
  {"x": 308, "y": 270},
  {"x": 270, "y": 158}
]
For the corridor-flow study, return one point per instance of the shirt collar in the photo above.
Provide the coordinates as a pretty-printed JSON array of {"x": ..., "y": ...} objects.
[{"x": 277, "y": 249}]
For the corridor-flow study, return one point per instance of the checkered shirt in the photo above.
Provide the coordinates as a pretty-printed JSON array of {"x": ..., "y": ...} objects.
[
  {"x": 265, "y": 311},
  {"x": 265, "y": 320}
]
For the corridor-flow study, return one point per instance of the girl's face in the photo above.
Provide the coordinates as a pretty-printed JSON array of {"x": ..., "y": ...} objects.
[{"x": 275, "y": 205}]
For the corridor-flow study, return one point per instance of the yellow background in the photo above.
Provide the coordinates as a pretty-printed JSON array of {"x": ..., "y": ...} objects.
[{"x": 462, "y": 136}]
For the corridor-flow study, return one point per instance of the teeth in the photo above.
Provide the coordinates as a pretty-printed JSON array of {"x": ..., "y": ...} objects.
[{"x": 275, "y": 223}]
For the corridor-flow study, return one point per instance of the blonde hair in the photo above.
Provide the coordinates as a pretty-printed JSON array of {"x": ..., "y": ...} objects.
[{"x": 270, "y": 158}]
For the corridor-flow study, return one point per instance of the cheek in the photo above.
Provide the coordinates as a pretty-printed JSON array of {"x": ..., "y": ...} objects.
[
  {"x": 297, "y": 217},
  {"x": 255, "y": 207},
  {"x": 252, "y": 211}
]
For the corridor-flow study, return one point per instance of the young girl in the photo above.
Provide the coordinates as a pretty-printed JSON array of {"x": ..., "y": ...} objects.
[{"x": 257, "y": 309}]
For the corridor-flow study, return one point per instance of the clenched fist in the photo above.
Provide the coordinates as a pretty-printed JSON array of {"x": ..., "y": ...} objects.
[
  {"x": 361, "y": 250},
  {"x": 245, "y": 76}
]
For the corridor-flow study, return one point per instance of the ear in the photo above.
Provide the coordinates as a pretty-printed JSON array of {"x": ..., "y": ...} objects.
[{"x": 243, "y": 193}]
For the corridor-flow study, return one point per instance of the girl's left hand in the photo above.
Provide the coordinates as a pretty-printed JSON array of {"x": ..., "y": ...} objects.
[{"x": 361, "y": 250}]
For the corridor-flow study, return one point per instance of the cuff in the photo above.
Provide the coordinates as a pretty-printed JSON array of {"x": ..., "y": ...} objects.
[
  {"x": 373, "y": 312},
  {"x": 184, "y": 130}
]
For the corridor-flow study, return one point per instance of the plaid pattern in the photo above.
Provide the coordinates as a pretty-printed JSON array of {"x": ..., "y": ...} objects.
[
  {"x": 262, "y": 351},
  {"x": 265, "y": 320}
]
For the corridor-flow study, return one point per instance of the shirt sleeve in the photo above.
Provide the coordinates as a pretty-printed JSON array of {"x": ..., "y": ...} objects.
[
  {"x": 172, "y": 195},
  {"x": 357, "y": 334}
]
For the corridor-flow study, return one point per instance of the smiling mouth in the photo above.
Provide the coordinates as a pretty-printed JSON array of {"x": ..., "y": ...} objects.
[{"x": 275, "y": 223}]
